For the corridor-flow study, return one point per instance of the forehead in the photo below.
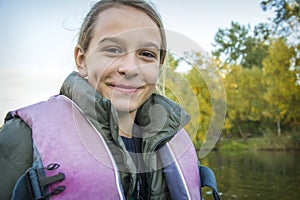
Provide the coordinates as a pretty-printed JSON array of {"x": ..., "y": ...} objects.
[{"x": 125, "y": 20}]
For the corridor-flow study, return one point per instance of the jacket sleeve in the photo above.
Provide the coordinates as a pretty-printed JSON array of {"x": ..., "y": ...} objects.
[{"x": 16, "y": 154}]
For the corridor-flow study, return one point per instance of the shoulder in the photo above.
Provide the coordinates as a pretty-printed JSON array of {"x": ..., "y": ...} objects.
[
  {"x": 15, "y": 153},
  {"x": 15, "y": 134}
]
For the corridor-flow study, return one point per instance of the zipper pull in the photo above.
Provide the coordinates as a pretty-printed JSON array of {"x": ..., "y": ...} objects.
[{"x": 138, "y": 187}]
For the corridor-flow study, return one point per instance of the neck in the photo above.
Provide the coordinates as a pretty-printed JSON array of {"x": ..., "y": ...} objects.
[{"x": 126, "y": 121}]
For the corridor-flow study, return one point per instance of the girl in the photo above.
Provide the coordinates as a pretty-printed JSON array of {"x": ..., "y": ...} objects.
[{"x": 107, "y": 133}]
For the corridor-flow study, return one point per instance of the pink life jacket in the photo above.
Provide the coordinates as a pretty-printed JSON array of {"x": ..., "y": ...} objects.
[{"x": 62, "y": 134}]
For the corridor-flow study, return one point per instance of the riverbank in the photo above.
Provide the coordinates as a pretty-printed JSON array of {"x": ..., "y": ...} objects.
[{"x": 267, "y": 142}]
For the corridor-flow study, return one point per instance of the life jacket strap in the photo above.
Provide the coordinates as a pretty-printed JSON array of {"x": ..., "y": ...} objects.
[
  {"x": 33, "y": 184},
  {"x": 208, "y": 179}
]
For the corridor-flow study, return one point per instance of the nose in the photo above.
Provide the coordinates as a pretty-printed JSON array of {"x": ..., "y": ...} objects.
[{"x": 128, "y": 66}]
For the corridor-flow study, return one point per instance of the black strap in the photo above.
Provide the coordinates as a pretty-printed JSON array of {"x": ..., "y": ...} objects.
[
  {"x": 208, "y": 179},
  {"x": 33, "y": 184}
]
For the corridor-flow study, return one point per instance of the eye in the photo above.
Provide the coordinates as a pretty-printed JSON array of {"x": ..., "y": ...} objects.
[
  {"x": 113, "y": 50},
  {"x": 148, "y": 55}
]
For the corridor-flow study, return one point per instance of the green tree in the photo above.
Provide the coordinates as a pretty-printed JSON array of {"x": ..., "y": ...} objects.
[
  {"x": 244, "y": 100},
  {"x": 287, "y": 16},
  {"x": 286, "y": 24},
  {"x": 180, "y": 88},
  {"x": 201, "y": 92},
  {"x": 240, "y": 45},
  {"x": 208, "y": 87},
  {"x": 195, "y": 90},
  {"x": 281, "y": 83}
]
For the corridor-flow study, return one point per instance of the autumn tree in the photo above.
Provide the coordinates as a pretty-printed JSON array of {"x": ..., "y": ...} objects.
[
  {"x": 199, "y": 91},
  {"x": 180, "y": 88},
  {"x": 208, "y": 87},
  {"x": 281, "y": 83},
  {"x": 204, "y": 102},
  {"x": 244, "y": 100}
]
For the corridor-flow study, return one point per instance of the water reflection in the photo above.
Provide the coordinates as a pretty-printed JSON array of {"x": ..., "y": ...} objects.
[{"x": 255, "y": 175}]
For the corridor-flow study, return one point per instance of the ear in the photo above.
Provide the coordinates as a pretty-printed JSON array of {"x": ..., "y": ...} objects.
[{"x": 80, "y": 61}]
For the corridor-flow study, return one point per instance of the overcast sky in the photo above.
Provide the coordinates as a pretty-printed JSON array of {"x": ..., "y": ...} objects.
[{"x": 38, "y": 37}]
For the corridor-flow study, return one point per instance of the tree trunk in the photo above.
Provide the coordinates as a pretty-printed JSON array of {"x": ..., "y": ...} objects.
[
  {"x": 278, "y": 128},
  {"x": 244, "y": 136}
]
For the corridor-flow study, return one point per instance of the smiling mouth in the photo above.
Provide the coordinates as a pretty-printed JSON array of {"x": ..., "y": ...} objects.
[{"x": 125, "y": 88}]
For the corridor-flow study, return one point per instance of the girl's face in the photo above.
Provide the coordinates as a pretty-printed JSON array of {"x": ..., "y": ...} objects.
[{"x": 122, "y": 61}]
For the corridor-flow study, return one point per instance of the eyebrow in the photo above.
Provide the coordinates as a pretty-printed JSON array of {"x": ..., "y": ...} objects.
[
  {"x": 110, "y": 39},
  {"x": 121, "y": 41},
  {"x": 150, "y": 45}
]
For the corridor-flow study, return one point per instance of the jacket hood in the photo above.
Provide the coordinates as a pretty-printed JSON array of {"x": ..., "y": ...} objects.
[{"x": 95, "y": 107}]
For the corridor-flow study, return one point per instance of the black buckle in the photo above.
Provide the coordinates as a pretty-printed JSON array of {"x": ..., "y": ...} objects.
[{"x": 39, "y": 182}]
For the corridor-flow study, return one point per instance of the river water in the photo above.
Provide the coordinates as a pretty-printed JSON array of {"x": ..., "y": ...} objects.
[{"x": 255, "y": 175}]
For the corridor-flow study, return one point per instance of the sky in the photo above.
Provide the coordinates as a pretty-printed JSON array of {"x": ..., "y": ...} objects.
[{"x": 38, "y": 38}]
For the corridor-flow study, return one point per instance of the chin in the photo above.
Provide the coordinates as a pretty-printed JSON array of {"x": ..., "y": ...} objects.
[{"x": 124, "y": 107}]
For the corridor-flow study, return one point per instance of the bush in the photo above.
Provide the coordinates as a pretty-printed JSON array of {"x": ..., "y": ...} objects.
[{"x": 233, "y": 145}]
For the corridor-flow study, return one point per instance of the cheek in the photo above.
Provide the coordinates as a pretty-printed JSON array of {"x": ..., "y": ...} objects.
[
  {"x": 152, "y": 88},
  {"x": 151, "y": 74},
  {"x": 96, "y": 69},
  {"x": 92, "y": 80}
]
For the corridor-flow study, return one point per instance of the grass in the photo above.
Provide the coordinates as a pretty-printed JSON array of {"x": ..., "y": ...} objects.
[
  {"x": 233, "y": 145},
  {"x": 267, "y": 142}
]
